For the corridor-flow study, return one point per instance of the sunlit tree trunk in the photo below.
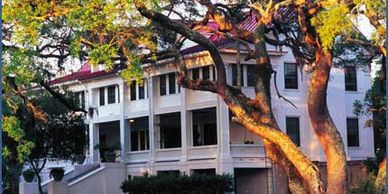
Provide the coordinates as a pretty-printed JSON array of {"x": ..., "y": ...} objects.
[
  {"x": 381, "y": 175},
  {"x": 324, "y": 126}
]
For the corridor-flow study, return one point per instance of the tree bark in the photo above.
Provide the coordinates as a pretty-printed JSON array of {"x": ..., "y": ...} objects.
[
  {"x": 324, "y": 126},
  {"x": 381, "y": 175}
]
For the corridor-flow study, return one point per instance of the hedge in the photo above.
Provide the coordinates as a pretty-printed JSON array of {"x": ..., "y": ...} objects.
[{"x": 181, "y": 184}]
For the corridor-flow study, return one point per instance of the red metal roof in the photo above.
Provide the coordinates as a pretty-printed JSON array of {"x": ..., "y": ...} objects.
[{"x": 85, "y": 72}]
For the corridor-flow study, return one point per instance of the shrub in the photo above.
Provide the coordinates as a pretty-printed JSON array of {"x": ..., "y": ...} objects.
[
  {"x": 366, "y": 186},
  {"x": 182, "y": 184}
]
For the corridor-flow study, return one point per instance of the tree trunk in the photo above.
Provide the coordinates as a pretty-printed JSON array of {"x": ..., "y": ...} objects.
[{"x": 324, "y": 126}]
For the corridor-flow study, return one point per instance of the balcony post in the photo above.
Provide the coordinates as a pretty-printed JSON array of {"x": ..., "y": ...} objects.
[
  {"x": 225, "y": 159},
  {"x": 151, "y": 125},
  {"x": 123, "y": 135}
]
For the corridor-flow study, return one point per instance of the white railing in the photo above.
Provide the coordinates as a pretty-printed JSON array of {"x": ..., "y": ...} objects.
[
  {"x": 202, "y": 152},
  {"x": 170, "y": 154},
  {"x": 138, "y": 156},
  {"x": 247, "y": 150}
]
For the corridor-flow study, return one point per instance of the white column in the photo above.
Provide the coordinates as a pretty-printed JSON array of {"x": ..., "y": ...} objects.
[
  {"x": 151, "y": 125},
  {"x": 93, "y": 141},
  {"x": 225, "y": 159},
  {"x": 123, "y": 134},
  {"x": 184, "y": 126}
]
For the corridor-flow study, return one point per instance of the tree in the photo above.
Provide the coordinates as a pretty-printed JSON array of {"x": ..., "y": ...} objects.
[{"x": 116, "y": 32}]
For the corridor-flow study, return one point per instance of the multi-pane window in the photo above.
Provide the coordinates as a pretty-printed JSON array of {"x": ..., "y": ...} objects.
[
  {"x": 162, "y": 85},
  {"x": 137, "y": 88},
  {"x": 79, "y": 99},
  {"x": 290, "y": 76},
  {"x": 204, "y": 127},
  {"x": 170, "y": 130},
  {"x": 293, "y": 130},
  {"x": 167, "y": 84},
  {"x": 139, "y": 134},
  {"x": 171, "y": 83},
  {"x": 112, "y": 94},
  {"x": 102, "y": 96},
  {"x": 132, "y": 88},
  {"x": 234, "y": 74},
  {"x": 352, "y": 132},
  {"x": 350, "y": 78}
]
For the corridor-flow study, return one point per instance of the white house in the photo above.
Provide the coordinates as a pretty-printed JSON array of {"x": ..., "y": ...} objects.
[{"x": 162, "y": 127}]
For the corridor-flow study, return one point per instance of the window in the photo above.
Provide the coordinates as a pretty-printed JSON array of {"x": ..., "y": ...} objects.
[
  {"x": 102, "y": 96},
  {"x": 290, "y": 76},
  {"x": 292, "y": 128},
  {"x": 195, "y": 74},
  {"x": 162, "y": 85},
  {"x": 250, "y": 76},
  {"x": 142, "y": 89},
  {"x": 175, "y": 173},
  {"x": 171, "y": 83},
  {"x": 139, "y": 134},
  {"x": 133, "y": 90},
  {"x": 206, "y": 73},
  {"x": 170, "y": 130},
  {"x": 352, "y": 131},
  {"x": 350, "y": 78},
  {"x": 79, "y": 99},
  {"x": 234, "y": 75},
  {"x": 204, "y": 127},
  {"x": 111, "y": 94},
  {"x": 208, "y": 171}
]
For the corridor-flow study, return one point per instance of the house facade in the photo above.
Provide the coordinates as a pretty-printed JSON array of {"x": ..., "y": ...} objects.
[{"x": 162, "y": 127}]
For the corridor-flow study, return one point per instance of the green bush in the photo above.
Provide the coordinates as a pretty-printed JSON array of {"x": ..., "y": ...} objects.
[
  {"x": 366, "y": 186},
  {"x": 182, "y": 184}
]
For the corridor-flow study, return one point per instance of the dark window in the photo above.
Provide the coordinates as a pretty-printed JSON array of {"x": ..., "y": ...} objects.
[
  {"x": 206, "y": 73},
  {"x": 204, "y": 127},
  {"x": 170, "y": 130},
  {"x": 79, "y": 99},
  {"x": 250, "y": 76},
  {"x": 292, "y": 128},
  {"x": 139, "y": 134},
  {"x": 142, "y": 90},
  {"x": 102, "y": 96},
  {"x": 133, "y": 90},
  {"x": 350, "y": 78},
  {"x": 352, "y": 131},
  {"x": 162, "y": 85},
  {"x": 208, "y": 171},
  {"x": 234, "y": 74},
  {"x": 195, "y": 74},
  {"x": 169, "y": 172},
  {"x": 171, "y": 83},
  {"x": 290, "y": 76},
  {"x": 111, "y": 94}
]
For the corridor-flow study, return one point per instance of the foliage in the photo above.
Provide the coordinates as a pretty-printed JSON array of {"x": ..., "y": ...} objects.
[
  {"x": 366, "y": 185},
  {"x": 182, "y": 184}
]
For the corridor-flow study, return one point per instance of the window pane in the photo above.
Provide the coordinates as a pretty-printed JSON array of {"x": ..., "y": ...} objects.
[
  {"x": 162, "y": 85},
  {"x": 196, "y": 74},
  {"x": 250, "y": 76},
  {"x": 139, "y": 134},
  {"x": 350, "y": 78},
  {"x": 133, "y": 90},
  {"x": 290, "y": 76},
  {"x": 83, "y": 99},
  {"x": 111, "y": 94},
  {"x": 171, "y": 83},
  {"x": 292, "y": 128},
  {"x": 352, "y": 132},
  {"x": 142, "y": 90},
  {"x": 170, "y": 130},
  {"x": 204, "y": 127},
  {"x": 206, "y": 73},
  {"x": 234, "y": 75},
  {"x": 102, "y": 96}
]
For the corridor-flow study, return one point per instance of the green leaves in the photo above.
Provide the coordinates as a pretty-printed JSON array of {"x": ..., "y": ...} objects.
[
  {"x": 103, "y": 54},
  {"x": 330, "y": 22},
  {"x": 12, "y": 126}
]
